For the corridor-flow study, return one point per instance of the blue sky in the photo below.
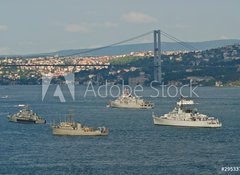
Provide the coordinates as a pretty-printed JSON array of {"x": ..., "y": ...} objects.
[{"x": 31, "y": 26}]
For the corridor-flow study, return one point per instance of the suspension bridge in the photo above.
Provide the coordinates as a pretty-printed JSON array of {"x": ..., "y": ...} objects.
[{"x": 157, "y": 35}]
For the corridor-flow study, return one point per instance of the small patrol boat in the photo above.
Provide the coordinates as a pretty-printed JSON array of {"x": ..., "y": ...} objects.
[{"x": 26, "y": 115}]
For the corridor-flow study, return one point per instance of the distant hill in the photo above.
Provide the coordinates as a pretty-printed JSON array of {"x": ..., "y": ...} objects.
[{"x": 124, "y": 49}]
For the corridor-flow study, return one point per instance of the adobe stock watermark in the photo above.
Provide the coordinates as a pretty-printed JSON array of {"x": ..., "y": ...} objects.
[
  {"x": 114, "y": 91},
  {"x": 70, "y": 81},
  {"x": 161, "y": 90},
  {"x": 173, "y": 91}
]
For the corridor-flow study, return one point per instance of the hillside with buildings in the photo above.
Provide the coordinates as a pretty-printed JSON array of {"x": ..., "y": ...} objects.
[{"x": 220, "y": 66}]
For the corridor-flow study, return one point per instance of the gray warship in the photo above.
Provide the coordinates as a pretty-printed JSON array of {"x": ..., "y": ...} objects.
[
  {"x": 126, "y": 100},
  {"x": 184, "y": 117},
  {"x": 26, "y": 115},
  {"x": 71, "y": 128}
]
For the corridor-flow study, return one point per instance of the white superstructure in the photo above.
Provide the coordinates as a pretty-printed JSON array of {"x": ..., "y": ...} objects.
[{"x": 185, "y": 102}]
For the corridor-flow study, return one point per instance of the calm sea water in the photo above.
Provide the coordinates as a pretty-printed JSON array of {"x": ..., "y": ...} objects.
[{"x": 134, "y": 145}]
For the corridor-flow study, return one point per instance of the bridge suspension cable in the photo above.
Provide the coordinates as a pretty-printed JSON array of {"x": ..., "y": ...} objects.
[
  {"x": 111, "y": 45},
  {"x": 180, "y": 42}
]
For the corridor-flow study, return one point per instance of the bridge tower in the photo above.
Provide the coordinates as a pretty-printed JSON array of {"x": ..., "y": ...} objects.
[{"x": 157, "y": 56}]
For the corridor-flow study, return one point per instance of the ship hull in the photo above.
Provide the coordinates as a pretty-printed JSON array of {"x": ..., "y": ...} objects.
[
  {"x": 18, "y": 120},
  {"x": 72, "y": 132},
  {"x": 197, "y": 124}
]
